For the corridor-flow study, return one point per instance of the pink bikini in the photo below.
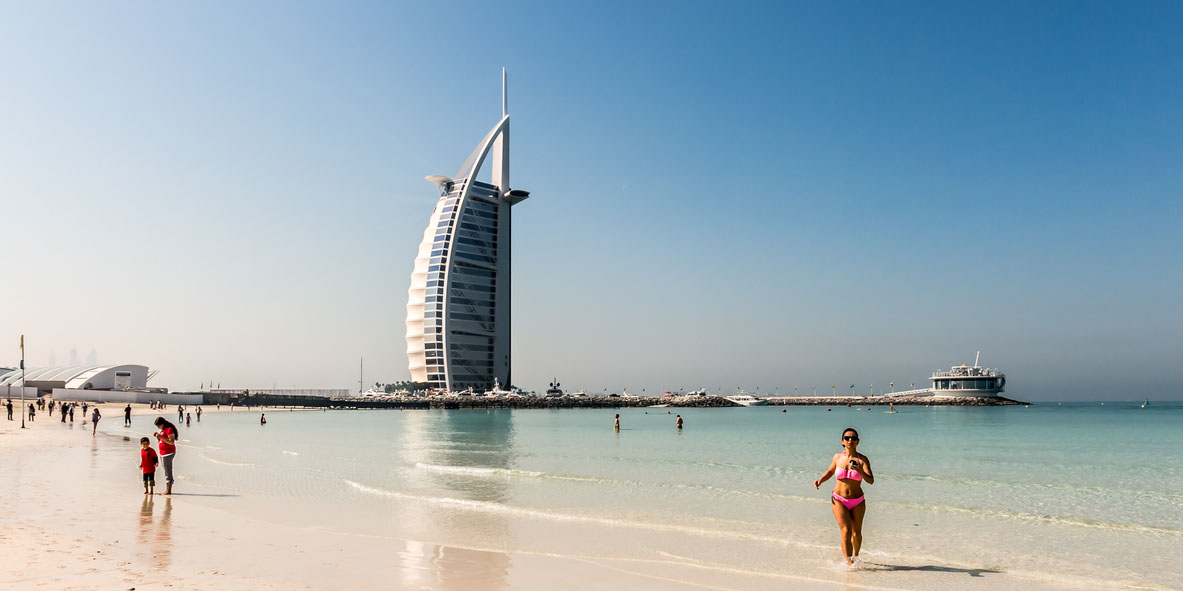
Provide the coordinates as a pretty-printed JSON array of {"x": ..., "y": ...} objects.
[{"x": 842, "y": 474}]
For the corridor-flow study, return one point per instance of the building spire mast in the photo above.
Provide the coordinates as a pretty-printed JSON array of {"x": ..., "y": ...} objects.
[{"x": 504, "y": 95}]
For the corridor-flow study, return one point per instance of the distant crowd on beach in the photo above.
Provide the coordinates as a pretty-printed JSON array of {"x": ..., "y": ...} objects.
[
  {"x": 166, "y": 434},
  {"x": 65, "y": 409}
]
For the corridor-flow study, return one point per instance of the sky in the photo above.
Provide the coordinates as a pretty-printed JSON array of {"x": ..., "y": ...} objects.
[{"x": 769, "y": 196}]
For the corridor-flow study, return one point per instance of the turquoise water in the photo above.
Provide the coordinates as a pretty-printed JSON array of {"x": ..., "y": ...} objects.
[{"x": 1077, "y": 495}]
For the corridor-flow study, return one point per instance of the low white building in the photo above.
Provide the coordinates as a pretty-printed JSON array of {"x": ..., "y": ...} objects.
[{"x": 79, "y": 377}]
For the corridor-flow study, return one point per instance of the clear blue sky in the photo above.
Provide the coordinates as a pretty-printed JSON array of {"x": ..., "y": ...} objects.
[{"x": 724, "y": 194}]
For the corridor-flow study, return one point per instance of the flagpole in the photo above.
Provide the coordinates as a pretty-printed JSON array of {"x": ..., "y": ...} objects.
[{"x": 23, "y": 411}]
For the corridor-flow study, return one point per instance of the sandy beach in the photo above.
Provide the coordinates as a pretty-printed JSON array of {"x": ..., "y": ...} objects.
[
  {"x": 76, "y": 519},
  {"x": 301, "y": 505}
]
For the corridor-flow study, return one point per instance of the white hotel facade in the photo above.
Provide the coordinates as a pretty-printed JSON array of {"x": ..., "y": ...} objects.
[{"x": 458, "y": 310}]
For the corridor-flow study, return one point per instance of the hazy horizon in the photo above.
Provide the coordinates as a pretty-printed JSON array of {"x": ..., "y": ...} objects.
[{"x": 760, "y": 196}]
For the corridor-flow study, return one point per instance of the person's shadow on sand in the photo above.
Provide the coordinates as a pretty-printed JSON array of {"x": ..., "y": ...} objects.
[{"x": 973, "y": 572}]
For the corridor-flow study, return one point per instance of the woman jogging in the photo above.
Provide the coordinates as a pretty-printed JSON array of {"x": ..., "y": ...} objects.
[{"x": 851, "y": 469}]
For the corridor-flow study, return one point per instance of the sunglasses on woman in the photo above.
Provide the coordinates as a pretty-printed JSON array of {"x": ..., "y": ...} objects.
[{"x": 849, "y": 438}]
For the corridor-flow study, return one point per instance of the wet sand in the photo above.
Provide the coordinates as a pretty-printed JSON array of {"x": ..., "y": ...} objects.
[{"x": 76, "y": 518}]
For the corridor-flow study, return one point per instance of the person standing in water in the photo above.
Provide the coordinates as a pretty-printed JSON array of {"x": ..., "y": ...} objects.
[
  {"x": 616, "y": 425},
  {"x": 851, "y": 469},
  {"x": 168, "y": 449},
  {"x": 679, "y": 422},
  {"x": 127, "y": 416},
  {"x": 262, "y": 419},
  {"x": 199, "y": 414},
  {"x": 94, "y": 420}
]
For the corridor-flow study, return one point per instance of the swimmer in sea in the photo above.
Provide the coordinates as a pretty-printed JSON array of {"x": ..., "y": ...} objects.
[
  {"x": 617, "y": 426},
  {"x": 850, "y": 468}
]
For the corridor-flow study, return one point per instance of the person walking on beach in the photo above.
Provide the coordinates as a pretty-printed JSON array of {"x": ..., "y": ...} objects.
[
  {"x": 127, "y": 416},
  {"x": 188, "y": 417},
  {"x": 84, "y": 407},
  {"x": 94, "y": 421},
  {"x": 32, "y": 411},
  {"x": 850, "y": 468},
  {"x": 679, "y": 421},
  {"x": 72, "y": 405},
  {"x": 168, "y": 448},
  {"x": 199, "y": 414},
  {"x": 9, "y": 407},
  {"x": 51, "y": 408},
  {"x": 180, "y": 413},
  {"x": 148, "y": 461}
]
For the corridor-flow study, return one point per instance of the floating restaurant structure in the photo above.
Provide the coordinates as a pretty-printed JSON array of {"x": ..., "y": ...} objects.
[
  {"x": 966, "y": 380},
  {"x": 458, "y": 309}
]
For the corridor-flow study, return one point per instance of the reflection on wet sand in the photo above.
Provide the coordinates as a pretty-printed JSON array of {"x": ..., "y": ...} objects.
[
  {"x": 155, "y": 537},
  {"x": 458, "y": 440}
]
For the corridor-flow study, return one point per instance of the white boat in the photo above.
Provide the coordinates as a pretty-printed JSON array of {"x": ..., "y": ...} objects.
[
  {"x": 744, "y": 399},
  {"x": 554, "y": 390},
  {"x": 497, "y": 391}
]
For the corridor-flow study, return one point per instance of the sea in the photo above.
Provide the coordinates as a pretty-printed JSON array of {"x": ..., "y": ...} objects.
[{"x": 1049, "y": 495}]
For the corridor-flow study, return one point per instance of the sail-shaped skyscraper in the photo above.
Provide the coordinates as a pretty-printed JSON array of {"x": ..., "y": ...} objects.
[{"x": 458, "y": 307}]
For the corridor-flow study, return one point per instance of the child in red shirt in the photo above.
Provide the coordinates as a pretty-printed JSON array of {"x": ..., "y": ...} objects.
[{"x": 148, "y": 461}]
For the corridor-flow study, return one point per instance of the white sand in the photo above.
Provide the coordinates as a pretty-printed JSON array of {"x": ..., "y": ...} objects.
[
  {"x": 70, "y": 522},
  {"x": 74, "y": 518}
]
